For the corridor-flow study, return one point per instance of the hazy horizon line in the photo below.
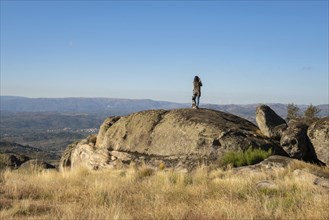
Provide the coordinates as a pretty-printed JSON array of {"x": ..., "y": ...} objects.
[{"x": 149, "y": 99}]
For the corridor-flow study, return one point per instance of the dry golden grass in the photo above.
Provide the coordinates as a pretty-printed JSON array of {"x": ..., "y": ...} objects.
[{"x": 140, "y": 193}]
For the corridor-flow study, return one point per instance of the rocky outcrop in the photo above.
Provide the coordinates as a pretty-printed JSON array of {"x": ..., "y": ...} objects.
[
  {"x": 184, "y": 138},
  {"x": 84, "y": 153},
  {"x": 270, "y": 124},
  {"x": 318, "y": 133},
  {"x": 296, "y": 143},
  {"x": 173, "y": 137},
  {"x": 12, "y": 160},
  {"x": 36, "y": 165},
  {"x": 22, "y": 162},
  {"x": 275, "y": 164},
  {"x": 270, "y": 163},
  {"x": 294, "y": 136}
]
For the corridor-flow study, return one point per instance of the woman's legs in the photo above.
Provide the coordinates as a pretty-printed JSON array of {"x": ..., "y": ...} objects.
[
  {"x": 193, "y": 100},
  {"x": 197, "y": 101}
]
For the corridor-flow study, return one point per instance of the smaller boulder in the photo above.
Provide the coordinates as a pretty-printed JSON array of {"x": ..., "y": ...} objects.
[
  {"x": 266, "y": 185},
  {"x": 271, "y": 163},
  {"x": 36, "y": 165},
  {"x": 12, "y": 160},
  {"x": 122, "y": 156},
  {"x": 318, "y": 133},
  {"x": 312, "y": 177},
  {"x": 322, "y": 182},
  {"x": 269, "y": 123},
  {"x": 296, "y": 143},
  {"x": 84, "y": 153}
]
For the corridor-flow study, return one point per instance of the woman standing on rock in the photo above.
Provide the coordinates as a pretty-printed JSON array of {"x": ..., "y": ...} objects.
[{"x": 196, "y": 92}]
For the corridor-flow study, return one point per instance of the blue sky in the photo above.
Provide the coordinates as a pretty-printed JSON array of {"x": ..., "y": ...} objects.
[{"x": 244, "y": 51}]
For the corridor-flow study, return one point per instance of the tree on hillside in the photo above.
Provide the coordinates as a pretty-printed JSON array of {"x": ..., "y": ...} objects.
[
  {"x": 310, "y": 114},
  {"x": 292, "y": 111}
]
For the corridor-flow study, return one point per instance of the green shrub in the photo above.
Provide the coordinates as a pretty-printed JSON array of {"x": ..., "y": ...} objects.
[{"x": 243, "y": 158}]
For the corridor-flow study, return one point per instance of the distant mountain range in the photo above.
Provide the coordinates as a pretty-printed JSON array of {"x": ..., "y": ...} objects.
[
  {"x": 113, "y": 106},
  {"x": 110, "y": 106}
]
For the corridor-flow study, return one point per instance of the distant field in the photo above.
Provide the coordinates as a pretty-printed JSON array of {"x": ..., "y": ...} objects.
[
  {"x": 49, "y": 132},
  {"x": 141, "y": 193}
]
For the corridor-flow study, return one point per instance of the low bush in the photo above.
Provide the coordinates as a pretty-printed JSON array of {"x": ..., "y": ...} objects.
[{"x": 243, "y": 158}]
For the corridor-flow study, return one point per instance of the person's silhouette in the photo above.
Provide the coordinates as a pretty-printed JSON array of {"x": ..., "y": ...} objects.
[{"x": 196, "y": 92}]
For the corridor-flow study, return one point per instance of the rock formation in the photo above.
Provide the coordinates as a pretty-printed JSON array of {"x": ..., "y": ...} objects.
[
  {"x": 12, "y": 160},
  {"x": 270, "y": 124},
  {"x": 184, "y": 138},
  {"x": 296, "y": 138},
  {"x": 19, "y": 161},
  {"x": 36, "y": 164},
  {"x": 296, "y": 143},
  {"x": 84, "y": 152},
  {"x": 175, "y": 137},
  {"x": 318, "y": 133},
  {"x": 274, "y": 163}
]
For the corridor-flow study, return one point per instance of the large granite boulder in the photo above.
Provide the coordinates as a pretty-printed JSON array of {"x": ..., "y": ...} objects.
[
  {"x": 296, "y": 143},
  {"x": 172, "y": 137},
  {"x": 318, "y": 133},
  {"x": 269, "y": 123}
]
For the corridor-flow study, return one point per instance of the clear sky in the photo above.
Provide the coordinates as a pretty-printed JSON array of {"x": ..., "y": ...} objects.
[{"x": 244, "y": 51}]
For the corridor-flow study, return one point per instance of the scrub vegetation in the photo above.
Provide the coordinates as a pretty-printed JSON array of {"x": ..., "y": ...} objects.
[{"x": 243, "y": 158}]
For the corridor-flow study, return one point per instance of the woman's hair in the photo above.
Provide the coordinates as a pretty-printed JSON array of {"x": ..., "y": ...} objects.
[{"x": 196, "y": 79}]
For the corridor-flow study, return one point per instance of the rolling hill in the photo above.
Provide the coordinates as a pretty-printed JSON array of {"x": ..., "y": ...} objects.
[{"x": 113, "y": 106}]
